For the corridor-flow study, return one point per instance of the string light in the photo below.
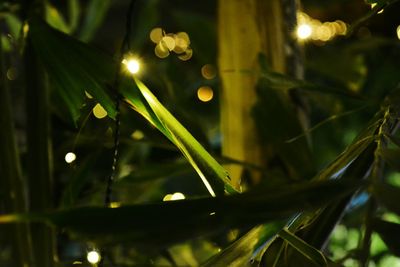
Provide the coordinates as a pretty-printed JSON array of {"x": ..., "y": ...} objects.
[
  {"x": 398, "y": 32},
  {"x": 171, "y": 42},
  {"x": 304, "y": 31},
  {"x": 93, "y": 257},
  {"x": 316, "y": 30},
  {"x": 70, "y": 157},
  {"x": 132, "y": 65}
]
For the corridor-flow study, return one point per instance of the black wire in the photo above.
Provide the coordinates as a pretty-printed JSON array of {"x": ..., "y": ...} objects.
[{"x": 125, "y": 46}]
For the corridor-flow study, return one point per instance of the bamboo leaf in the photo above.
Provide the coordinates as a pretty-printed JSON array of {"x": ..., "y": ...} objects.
[
  {"x": 242, "y": 252},
  {"x": 390, "y": 234},
  {"x": 174, "y": 221},
  {"x": 204, "y": 164},
  {"x": 73, "y": 67},
  {"x": 55, "y": 19},
  {"x": 96, "y": 12},
  {"x": 307, "y": 250}
]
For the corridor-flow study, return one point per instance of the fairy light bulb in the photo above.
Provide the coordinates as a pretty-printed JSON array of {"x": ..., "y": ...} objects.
[
  {"x": 132, "y": 65},
  {"x": 70, "y": 157},
  {"x": 304, "y": 31},
  {"x": 93, "y": 257}
]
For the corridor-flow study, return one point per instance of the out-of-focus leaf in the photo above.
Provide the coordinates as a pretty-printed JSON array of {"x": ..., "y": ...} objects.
[
  {"x": 73, "y": 67},
  {"x": 300, "y": 245},
  {"x": 95, "y": 14},
  {"x": 14, "y": 25},
  {"x": 74, "y": 11},
  {"x": 204, "y": 164},
  {"x": 55, "y": 19},
  {"x": 242, "y": 252},
  {"x": 388, "y": 195},
  {"x": 144, "y": 19},
  {"x": 394, "y": 139},
  {"x": 391, "y": 156},
  {"x": 280, "y": 81},
  {"x": 167, "y": 222},
  {"x": 156, "y": 171},
  {"x": 390, "y": 234},
  {"x": 77, "y": 182}
]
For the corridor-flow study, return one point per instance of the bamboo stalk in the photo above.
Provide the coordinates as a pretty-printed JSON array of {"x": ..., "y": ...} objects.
[
  {"x": 246, "y": 28},
  {"x": 39, "y": 164}
]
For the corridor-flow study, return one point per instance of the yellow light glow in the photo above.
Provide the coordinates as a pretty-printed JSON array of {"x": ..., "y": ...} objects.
[
  {"x": 208, "y": 71},
  {"x": 168, "y": 42},
  {"x": 70, "y": 157},
  {"x": 398, "y": 32},
  {"x": 137, "y": 135},
  {"x": 88, "y": 95},
  {"x": 205, "y": 93},
  {"x": 156, "y": 35},
  {"x": 99, "y": 112},
  {"x": 161, "y": 51},
  {"x": 174, "y": 196},
  {"x": 12, "y": 73},
  {"x": 132, "y": 64},
  {"x": 187, "y": 55},
  {"x": 93, "y": 257},
  {"x": 304, "y": 31},
  {"x": 372, "y": 7},
  {"x": 115, "y": 205}
]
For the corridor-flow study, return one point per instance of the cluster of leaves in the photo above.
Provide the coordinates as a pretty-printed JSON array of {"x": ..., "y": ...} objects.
[{"x": 286, "y": 221}]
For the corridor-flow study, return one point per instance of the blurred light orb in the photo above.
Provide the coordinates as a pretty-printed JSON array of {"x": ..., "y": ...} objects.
[
  {"x": 70, "y": 157},
  {"x": 304, "y": 31},
  {"x": 398, "y": 32},
  {"x": 132, "y": 64},
  {"x": 99, "y": 112},
  {"x": 174, "y": 196},
  {"x": 205, "y": 93},
  {"x": 208, "y": 71},
  {"x": 93, "y": 257}
]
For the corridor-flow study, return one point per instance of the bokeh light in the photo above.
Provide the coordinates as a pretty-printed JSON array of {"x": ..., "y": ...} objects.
[
  {"x": 174, "y": 196},
  {"x": 132, "y": 64},
  {"x": 70, "y": 157},
  {"x": 205, "y": 93},
  {"x": 93, "y": 257},
  {"x": 99, "y": 112},
  {"x": 304, "y": 31},
  {"x": 208, "y": 71}
]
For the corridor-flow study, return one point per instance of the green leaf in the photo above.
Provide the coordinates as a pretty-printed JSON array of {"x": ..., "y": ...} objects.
[
  {"x": 175, "y": 221},
  {"x": 96, "y": 12},
  {"x": 388, "y": 195},
  {"x": 300, "y": 245},
  {"x": 243, "y": 251},
  {"x": 73, "y": 67},
  {"x": 74, "y": 11},
  {"x": 55, "y": 19},
  {"x": 390, "y": 234},
  {"x": 283, "y": 82},
  {"x": 204, "y": 164}
]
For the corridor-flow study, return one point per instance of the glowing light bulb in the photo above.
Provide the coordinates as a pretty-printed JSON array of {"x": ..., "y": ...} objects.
[
  {"x": 132, "y": 65},
  {"x": 70, "y": 157},
  {"x": 304, "y": 31},
  {"x": 93, "y": 257}
]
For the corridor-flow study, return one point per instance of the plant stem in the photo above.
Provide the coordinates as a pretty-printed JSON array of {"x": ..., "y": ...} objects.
[{"x": 39, "y": 165}]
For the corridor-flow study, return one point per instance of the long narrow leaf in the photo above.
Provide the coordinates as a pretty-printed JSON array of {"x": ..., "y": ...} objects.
[{"x": 179, "y": 220}]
